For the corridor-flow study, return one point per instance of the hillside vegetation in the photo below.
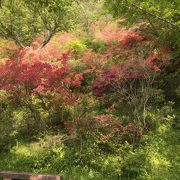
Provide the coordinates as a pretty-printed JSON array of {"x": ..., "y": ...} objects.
[{"x": 90, "y": 89}]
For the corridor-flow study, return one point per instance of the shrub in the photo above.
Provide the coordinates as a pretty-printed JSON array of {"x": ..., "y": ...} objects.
[
  {"x": 35, "y": 85},
  {"x": 95, "y": 45},
  {"x": 77, "y": 48}
]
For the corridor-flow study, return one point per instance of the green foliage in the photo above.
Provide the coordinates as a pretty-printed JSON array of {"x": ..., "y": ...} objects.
[
  {"x": 129, "y": 133},
  {"x": 74, "y": 157},
  {"x": 6, "y": 126},
  {"x": 162, "y": 16},
  {"x": 7, "y": 48},
  {"x": 77, "y": 48},
  {"x": 95, "y": 45},
  {"x": 91, "y": 11},
  {"x": 165, "y": 78},
  {"x": 23, "y": 20},
  {"x": 158, "y": 158}
]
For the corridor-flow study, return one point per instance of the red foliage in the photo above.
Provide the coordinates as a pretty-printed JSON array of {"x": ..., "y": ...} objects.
[
  {"x": 156, "y": 61},
  {"x": 127, "y": 71},
  {"x": 125, "y": 45},
  {"x": 108, "y": 127},
  {"x": 132, "y": 68},
  {"x": 130, "y": 37},
  {"x": 123, "y": 37},
  {"x": 22, "y": 78},
  {"x": 94, "y": 62},
  {"x": 153, "y": 62},
  {"x": 109, "y": 35},
  {"x": 65, "y": 38}
]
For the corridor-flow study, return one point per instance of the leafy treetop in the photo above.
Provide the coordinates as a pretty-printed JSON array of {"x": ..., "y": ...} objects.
[{"x": 23, "y": 20}]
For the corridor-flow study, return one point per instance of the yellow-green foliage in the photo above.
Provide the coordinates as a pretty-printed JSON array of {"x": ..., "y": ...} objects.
[
  {"x": 7, "y": 47},
  {"x": 77, "y": 48}
]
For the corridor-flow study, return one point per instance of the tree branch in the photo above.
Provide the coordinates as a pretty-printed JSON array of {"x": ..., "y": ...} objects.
[
  {"x": 17, "y": 40},
  {"x": 47, "y": 38},
  {"x": 155, "y": 16},
  {"x": 9, "y": 33}
]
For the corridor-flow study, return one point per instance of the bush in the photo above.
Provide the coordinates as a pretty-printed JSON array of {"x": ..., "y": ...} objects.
[
  {"x": 95, "y": 45},
  {"x": 77, "y": 48}
]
